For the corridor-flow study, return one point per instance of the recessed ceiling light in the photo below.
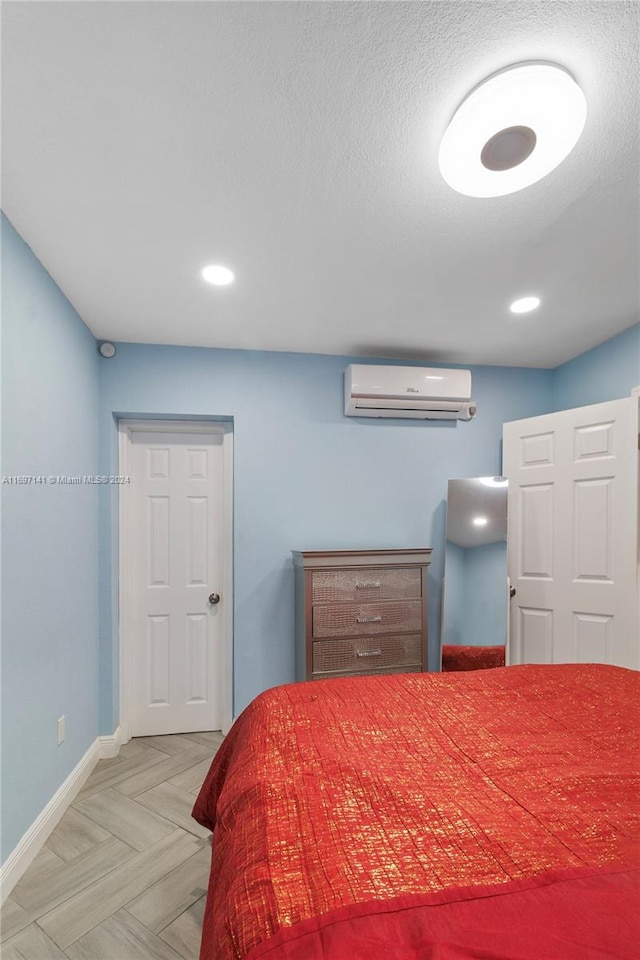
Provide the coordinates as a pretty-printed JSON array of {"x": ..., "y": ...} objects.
[
  {"x": 219, "y": 276},
  {"x": 525, "y": 305},
  {"x": 480, "y": 521},
  {"x": 512, "y": 130}
]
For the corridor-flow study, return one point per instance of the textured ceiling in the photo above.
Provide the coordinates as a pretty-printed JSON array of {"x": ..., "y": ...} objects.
[{"x": 297, "y": 143}]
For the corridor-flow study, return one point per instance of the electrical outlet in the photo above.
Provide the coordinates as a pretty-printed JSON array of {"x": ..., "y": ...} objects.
[{"x": 61, "y": 728}]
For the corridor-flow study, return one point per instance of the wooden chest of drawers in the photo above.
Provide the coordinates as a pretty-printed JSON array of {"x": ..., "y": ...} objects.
[{"x": 360, "y": 611}]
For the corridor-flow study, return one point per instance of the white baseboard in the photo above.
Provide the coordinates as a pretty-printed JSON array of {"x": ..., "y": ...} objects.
[
  {"x": 109, "y": 747},
  {"x": 36, "y": 836}
]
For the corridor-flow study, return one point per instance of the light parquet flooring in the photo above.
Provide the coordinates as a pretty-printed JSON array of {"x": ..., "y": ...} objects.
[{"x": 124, "y": 874}]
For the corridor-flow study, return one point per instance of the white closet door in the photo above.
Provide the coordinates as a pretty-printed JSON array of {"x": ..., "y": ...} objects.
[
  {"x": 573, "y": 535},
  {"x": 176, "y": 487}
]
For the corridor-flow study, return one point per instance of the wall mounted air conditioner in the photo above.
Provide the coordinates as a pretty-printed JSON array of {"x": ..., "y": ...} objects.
[{"x": 421, "y": 393}]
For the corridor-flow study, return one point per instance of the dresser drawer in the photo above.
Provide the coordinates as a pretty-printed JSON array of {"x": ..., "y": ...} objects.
[
  {"x": 366, "y": 653},
  {"x": 362, "y": 673},
  {"x": 365, "y": 584},
  {"x": 365, "y": 619}
]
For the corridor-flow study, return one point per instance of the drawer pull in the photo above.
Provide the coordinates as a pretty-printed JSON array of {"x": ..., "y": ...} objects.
[
  {"x": 368, "y": 585},
  {"x": 368, "y": 653},
  {"x": 369, "y": 619}
]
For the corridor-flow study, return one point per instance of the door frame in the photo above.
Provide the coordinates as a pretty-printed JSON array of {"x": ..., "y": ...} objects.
[{"x": 126, "y": 428}]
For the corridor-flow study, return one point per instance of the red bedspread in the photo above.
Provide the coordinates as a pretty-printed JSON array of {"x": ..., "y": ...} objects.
[
  {"x": 456, "y": 657},
  {"x": 473, "y": 814}
]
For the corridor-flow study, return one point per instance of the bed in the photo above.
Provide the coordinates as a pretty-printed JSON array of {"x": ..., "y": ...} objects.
[
  {"x": 486, "y": 814},
  {"x": 458, "y": 657}
]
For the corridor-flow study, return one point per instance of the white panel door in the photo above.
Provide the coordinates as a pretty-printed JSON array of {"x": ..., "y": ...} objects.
[
  {"x": 176, "y": 500},
  {"x": 573, "y": 535}
]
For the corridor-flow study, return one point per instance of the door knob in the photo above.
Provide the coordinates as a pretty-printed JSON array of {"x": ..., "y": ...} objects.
[
  {"x": 512, "y": 591},
  {"x": 214, "y": 598}
]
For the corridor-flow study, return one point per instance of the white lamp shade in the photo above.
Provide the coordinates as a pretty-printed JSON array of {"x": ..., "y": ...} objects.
[{"x": 531, "y": 98}]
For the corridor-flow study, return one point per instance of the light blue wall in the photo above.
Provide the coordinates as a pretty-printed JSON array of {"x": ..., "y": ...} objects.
[
  {"x": 49, "y": 538},
  {"x": 485, "y": 609},
  {"x": 608, "y": 372},
  {"x": 306, "y": 477},
  {"x": 475, "y": 604},
  {"x": 454, "y": 594}
]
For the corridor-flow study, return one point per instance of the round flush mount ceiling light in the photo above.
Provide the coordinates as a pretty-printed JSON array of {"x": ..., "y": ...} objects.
[
  {"x": 512, "y": 130},
  {"x": 525, "y": 305},
  {"x": 494, "y": 481},
  {"x": 480, "y": 521},
  {"x": 217, "y": 275}
]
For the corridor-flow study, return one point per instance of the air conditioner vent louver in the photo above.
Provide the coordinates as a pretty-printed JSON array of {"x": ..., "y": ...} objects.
[{"x": 408, "y": 392}]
